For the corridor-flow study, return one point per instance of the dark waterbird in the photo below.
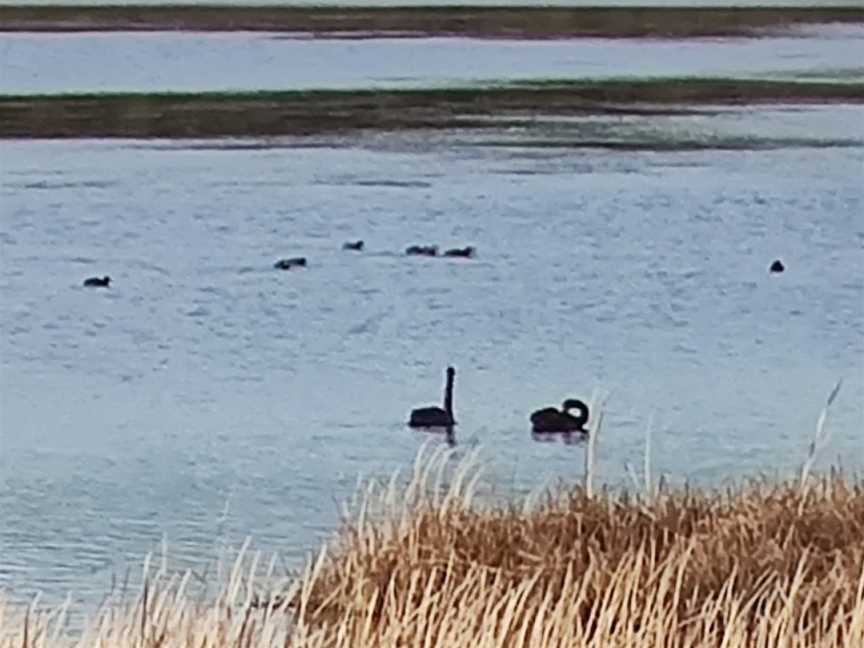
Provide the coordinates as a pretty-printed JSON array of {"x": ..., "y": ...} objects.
[
  {"x": 357, "y": 246},
  {"x": 97, "y": 282},
  {"x": 550, "y": 419},
  {"x": 422, "y": 250},
  {"x": 777, "y": 267},
  {"x": 427, "y": 417},
  {"x": 465, "y": 253},
  {"x": 289, "y": 264}
]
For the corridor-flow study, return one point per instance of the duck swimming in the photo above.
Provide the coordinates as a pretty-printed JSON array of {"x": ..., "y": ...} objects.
[
  {"x": 777, "y": 267},
  {"x": 425, "y": 417},
  {"x": 357, "y": 246},
  {"x": 465, "y": 253},
  {"x": 288, "y": 264},
  {"x": 422, "y": 250},
  {"x": 550, "y": 419},
  {"x": 97, "y": 282}
]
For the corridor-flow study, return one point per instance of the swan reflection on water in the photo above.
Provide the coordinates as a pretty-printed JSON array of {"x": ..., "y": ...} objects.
[
  {"x": 567, "y": 438},
  {"x": 446, "y": 432}
]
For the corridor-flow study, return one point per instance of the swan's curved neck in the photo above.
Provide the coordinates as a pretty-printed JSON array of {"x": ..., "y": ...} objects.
[{"x": 582, "y": 410}]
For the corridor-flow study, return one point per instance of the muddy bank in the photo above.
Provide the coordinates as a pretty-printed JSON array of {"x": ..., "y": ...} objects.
[
  {"x": 484, "y": 22},
  {"x": 333, "y": 111}
]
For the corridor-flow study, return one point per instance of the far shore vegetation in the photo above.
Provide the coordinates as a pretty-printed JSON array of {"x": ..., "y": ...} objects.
[
  {"x": 482, "y": 22},
  {"x": 311, "y": 112}
]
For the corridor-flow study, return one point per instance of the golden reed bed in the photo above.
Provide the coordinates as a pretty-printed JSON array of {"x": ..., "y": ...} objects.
[{"x": 421, "y": 562}]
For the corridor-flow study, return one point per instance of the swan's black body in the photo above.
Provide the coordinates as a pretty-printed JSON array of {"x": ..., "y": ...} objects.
[
  {"x": 422, "y": 250},
  {"x": 550, "y": 419},
  {"x": 426, "y": 417},
  {"x": 465, "y": 253},
  {"x": 97, "y": 282},
  {"x": 777, "y": 267},
  {"x": 357, "y": 246},
  {"x": 290, "y": 264}
]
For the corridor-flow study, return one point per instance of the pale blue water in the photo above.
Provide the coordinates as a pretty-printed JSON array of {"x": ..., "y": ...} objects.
[
  {"x": 206, "y": 396},
  {"x": 47, "y": 63}
]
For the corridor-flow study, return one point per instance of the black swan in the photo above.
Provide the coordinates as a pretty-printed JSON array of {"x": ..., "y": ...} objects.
[
  {"x": 97, "y": 282},
  {"x": 422, "y": 250},
  {"x": 777, "y": 266},
  {"x": 550, "y": 419},
  {"x": 465, "y": 253},
  {"x": 357, "y": 246},
  {"x": 288, "y": 264},
  {"x": 424, "y": 417}
]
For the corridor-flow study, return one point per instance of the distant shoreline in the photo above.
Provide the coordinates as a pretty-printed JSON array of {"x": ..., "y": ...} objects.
[
  {"x": 412, "y": 22},
  {"x": 317, "y": 112}
]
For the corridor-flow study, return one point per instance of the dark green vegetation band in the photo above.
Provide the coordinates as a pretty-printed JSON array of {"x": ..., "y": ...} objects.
[
  {"x": 498, "y": 22},
  {"x": 334, "y": 111}
]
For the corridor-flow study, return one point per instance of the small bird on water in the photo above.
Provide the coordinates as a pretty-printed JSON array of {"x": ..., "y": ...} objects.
[
  {"x": 422, "y": 250},
  {"x": 465, "y": 253},
  {"x": 97, "y": 282},
  {"x": 357, "y": 246},
  {"x": 777, "y": 267},
  {"x": 290, "y": 264}
]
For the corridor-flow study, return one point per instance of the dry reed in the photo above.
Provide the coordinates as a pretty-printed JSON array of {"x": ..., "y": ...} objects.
[{"x": 424, "y": 564}]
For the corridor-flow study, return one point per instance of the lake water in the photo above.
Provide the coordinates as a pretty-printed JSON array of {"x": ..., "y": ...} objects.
[
  {"x": 45, "y": 63},
  {"x": 206, "y": 396}
]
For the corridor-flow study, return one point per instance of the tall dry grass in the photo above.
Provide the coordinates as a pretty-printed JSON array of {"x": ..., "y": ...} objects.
[{"x": 424, "y": 564}]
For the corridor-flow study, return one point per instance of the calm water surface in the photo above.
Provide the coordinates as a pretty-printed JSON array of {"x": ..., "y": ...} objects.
[
  {"x": 206, "y": 396},
  {"x": 45, "y": 63}
]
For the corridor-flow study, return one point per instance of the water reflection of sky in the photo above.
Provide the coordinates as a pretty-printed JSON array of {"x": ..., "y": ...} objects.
[
  {"x": 242, "y": 61},
  {"x": 206, "y": 396}
]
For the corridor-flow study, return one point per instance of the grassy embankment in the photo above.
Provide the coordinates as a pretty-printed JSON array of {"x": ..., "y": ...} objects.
[
  {"x": 215, "y": 114},
  {"x": 430, "y": 564},
  {"x": 491, "y": 22}
]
